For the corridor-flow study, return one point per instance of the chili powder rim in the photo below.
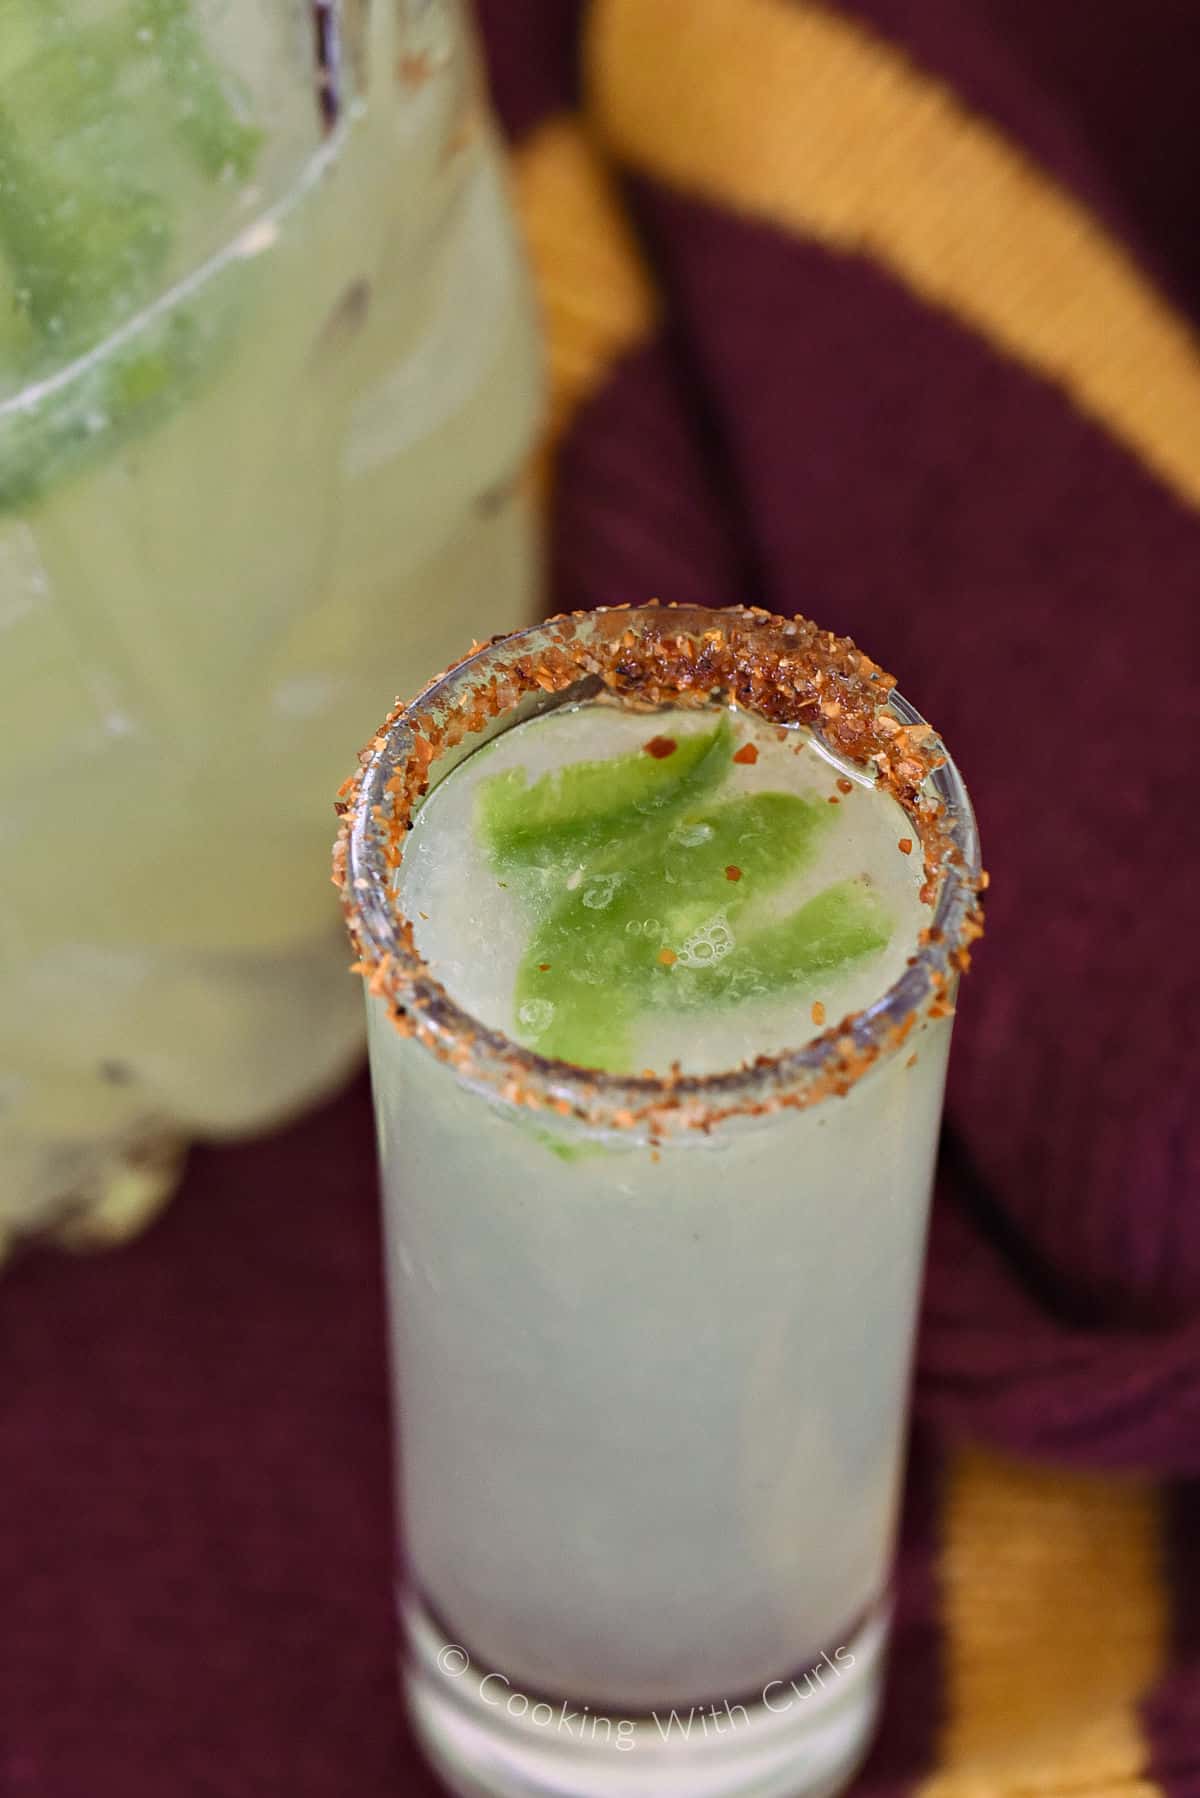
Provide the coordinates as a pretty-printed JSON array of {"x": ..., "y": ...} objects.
[{"x": 786, "y": 671}]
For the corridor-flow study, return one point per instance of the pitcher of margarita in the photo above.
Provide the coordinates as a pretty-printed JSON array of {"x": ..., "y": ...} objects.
[{"x": 268, "y": 378}]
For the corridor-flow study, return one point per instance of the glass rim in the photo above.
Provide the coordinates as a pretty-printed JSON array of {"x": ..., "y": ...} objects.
[{"x": 784, "y": 670}]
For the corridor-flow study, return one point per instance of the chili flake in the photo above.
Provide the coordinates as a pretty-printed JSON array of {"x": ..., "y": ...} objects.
[
  {"x": 818, "y": 1013},
  {"x": 747, "y": 755},
  {"x": 905, "y": 845},
  {"x": 414, "y": 68},
  {"x": 667, "y": 957},
  {"x": 660, "y": 747},
  {"x": 732, "y": 873}
]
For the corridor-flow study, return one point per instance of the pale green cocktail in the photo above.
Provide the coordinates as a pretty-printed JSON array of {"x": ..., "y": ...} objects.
[
  {"x": 658, "y": 1073},
  {"x": 267, "y": 380},
  {"x": 629, "y": 896}
]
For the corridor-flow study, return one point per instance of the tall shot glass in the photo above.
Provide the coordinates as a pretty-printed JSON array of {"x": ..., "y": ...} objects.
[{"x": 652, "y": 1336}]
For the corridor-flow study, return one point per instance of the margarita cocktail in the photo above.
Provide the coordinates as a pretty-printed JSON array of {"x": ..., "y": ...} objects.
[
  {"x": 267, "y": 381},
  {"x": 661, "y": 914}
]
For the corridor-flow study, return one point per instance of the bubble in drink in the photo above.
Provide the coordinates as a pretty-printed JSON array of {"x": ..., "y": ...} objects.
[
  {"x": 600, "y": 893},
  {"x": 712, "y": 942}
]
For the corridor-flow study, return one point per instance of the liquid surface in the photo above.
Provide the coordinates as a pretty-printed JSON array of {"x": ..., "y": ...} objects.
[{"x": 626, "y": 891}]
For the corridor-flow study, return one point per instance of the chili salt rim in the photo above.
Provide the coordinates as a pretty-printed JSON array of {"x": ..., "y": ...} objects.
[{"x": 785, "y": 670}]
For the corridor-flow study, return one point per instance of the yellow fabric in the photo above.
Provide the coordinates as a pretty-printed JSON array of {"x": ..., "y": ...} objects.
[
  {"x": 796, "y": 115},
  {"x": 1054, "y": 1618},
  {"x": 596, "y": 297}
]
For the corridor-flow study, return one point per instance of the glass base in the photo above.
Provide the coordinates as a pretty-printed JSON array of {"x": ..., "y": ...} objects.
[
  {"x": 804, "y": 1739},
  {"x": 88, "y": 1196},
  {"x": 125, "y": 1196},
  {"x": 225, "y": 1046}
]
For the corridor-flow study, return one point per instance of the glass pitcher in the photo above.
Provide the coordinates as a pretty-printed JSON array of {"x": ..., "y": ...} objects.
[{"x": 268, "y": 379}]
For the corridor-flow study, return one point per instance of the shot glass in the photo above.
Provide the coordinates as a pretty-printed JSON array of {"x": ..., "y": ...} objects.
[{"x": 652, "y": 1335}]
